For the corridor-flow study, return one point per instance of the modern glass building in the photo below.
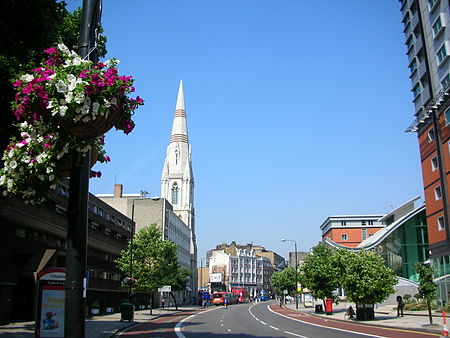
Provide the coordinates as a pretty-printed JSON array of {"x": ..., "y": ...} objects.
[{"x": 402, "y": 242}]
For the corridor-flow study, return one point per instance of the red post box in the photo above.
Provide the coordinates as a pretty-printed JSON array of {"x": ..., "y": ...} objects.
[{"x": 329, "y": 306}]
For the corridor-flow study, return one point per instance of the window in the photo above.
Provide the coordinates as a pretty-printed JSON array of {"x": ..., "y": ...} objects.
[
  {"x": 437, "y": 26},
  {"x": 370, "y": 222},
  {"x": 344, "y": 237},
  {"x": 406, "y": 21},
  {"x": 445, "y": 82},
  {"x": 416, "y": 90},
  {"x": 434, "y": 163},
  {"x": 432, "y": 4},
  {"x": 431, "y": 135},
  {"x": 364, "y": 234},
  {"x": 413, "y": 65},
  {"x": 410, "y": 42},
  {"x": 442, "y": 53},
  {"x": 175, "y": 193},
  {"x": 437, "y": 193},
  {"x": 343, "y": 223},
  {"x": 440, "y": 222},
  {"x": 363, "y": 223}
]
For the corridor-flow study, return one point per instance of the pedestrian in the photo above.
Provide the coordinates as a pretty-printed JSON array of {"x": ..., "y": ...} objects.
[
  {"x": 225, "y": 302},
  {"x": 281, "y": 301},
  {"x": 350, "y": 312},
  {"x": 400, "y": 306},
  {"x": 163, "y": 302}
]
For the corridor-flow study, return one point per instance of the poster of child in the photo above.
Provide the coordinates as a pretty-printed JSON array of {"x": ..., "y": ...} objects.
[{"x": 49, "y": 323}]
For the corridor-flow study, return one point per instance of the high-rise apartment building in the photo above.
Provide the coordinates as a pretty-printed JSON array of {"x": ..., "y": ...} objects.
[{"x": 427, "y": 36}]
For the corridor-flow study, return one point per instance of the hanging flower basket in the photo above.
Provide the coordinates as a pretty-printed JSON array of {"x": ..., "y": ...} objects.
[
  {"x": 65, "y": 104},
  {"x": 90, "y": 129},
  {"x": 86, "y": 99}
]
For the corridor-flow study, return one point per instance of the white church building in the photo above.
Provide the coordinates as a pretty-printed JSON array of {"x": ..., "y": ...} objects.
[{"x": 174, "y": 211}]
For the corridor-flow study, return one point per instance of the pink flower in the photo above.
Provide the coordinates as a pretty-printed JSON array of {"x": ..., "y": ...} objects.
[
  {"x": 47, "y": 145},
  {"x": 18, "y": 83},
  {"x": 51, "y": 50}
]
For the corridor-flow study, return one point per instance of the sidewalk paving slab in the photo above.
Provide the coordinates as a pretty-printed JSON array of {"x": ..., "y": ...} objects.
[
  {"x": 385, "y": 316},
  {"x": 100, "y": 326}
]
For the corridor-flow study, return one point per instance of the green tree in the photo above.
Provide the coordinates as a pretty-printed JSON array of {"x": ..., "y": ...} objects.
[
  {"x": 154, "y": 261},
  {"x": 319, "y": 274},
  {"x": 427, "y": 286},
  {"x": 364, "y": 277},
  {"x": 284, "y": 280}
]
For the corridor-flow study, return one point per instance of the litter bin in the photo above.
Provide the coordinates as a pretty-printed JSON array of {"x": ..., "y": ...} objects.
[
  {"x": 318, "y": 308},
  {"x": 126, "y": 312}
]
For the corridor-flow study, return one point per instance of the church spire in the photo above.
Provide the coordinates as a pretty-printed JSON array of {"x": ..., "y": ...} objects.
[{"x": 179, "y": 127}]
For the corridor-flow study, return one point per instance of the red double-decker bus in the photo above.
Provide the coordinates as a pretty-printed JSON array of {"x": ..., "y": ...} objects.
[{"x": 241, "y": 292}]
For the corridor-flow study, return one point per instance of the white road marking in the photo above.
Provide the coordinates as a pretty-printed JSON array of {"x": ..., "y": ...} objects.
[
  {"x": 178, "y": 326},
  {"x": 323, "y": 326},
  {"x": 230, "y": 330},
  {"x": 264, "y": 322},
  {"x": 294, "y": 334},
  {"x": 273, "y": 327}
]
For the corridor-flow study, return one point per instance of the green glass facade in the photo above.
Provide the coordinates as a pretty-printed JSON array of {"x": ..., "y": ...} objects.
[
  {"x": 405, "y": 246},
  {"x": 441, "y": 267}
]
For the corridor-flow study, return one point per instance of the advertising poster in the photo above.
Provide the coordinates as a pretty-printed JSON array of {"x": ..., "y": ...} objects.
[{"x": 50, "y": 314}]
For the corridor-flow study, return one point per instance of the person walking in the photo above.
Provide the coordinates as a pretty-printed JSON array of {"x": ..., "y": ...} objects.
[
  {"x": 400, "y": 306},
  {"x": 281, "y": 301}
]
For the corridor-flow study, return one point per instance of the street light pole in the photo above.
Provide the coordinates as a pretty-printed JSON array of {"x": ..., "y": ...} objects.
[
  {"x": 131, "y": 253},
  {"x": 296, "y": 269},
  {"x": 77, "y": 210}
]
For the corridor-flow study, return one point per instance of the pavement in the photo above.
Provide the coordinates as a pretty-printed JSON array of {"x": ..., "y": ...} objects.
[
  {"x": 385, "y": 316},
  {"x": 103, "y": 326}
]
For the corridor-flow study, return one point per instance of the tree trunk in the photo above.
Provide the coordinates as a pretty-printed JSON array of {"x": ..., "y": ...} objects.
[
  {"x": 175, "y": 300},
  {"x": 151, "y": 302},
  {"x": 364, "y": 311},
  {"x": 429, "y": 311}
]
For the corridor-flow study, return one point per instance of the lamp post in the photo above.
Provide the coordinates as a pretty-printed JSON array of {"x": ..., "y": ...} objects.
[
  {"x": 131, "y": 253},
  {"x": 77, "y": 211},
  {"x": 296, "y": 268}
]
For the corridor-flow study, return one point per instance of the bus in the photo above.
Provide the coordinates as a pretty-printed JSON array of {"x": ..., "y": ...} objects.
[
  {"x": 218, "y": 298},
  {"x": 241, "y": 292}
]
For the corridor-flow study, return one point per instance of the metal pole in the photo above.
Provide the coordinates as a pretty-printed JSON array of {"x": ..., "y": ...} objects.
[
  {"x": 296, "y": 276},
  {"x": 131, "y": 253},
  {"x": 76, "y": 252}
]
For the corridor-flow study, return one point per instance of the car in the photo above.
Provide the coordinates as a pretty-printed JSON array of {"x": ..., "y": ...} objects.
[{"x": 264, "y": 297}]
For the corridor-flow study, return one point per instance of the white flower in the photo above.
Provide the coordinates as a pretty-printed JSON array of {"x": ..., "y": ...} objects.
[
  {"x": 2, "y": 180},
  {"x": 95, "y": 107},
  {"x": 79, "y": 98},
  {"x": 49, "y": 170},
  {"x": 62, "y": 110},
  {"x": 51, "y": 177},
  {"x": 61, "y": 87},
  {"x": 114, "y": 101},
  {"x": 9, "y": 184},
  {"x": 40, "y": 158},
  {"x": 27, "y": 77},
  {"x": 62, "y": 47},
  {"x": 69, "y": 97},
  {"x": 13, "y": 164}
]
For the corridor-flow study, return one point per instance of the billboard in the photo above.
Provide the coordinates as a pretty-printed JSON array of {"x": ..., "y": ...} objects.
[{"x": 215, "y": 278}]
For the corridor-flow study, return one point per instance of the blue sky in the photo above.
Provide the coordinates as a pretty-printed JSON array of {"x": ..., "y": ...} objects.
[{"x": 296, "y": 111}]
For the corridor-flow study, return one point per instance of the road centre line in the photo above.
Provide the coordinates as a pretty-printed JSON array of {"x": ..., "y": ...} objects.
[
  {"x": 273, "y": 327},
  {"x": 323, "y": 326},
  {"x": 178, "y": 326},
  {"x": 295, "y": 334}
]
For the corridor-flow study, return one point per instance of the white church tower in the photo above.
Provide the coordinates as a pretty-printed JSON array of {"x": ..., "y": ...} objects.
[{"x": 177, "y": 179}]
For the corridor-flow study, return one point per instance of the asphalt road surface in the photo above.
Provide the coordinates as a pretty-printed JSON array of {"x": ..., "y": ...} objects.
[{"x": 267, "y": 319}]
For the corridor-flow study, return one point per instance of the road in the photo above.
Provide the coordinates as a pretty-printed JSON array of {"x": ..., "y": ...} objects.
[{"x": 264, "y": 319}]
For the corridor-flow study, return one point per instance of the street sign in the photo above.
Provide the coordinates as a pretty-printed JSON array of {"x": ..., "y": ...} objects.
[{"x": 166, "y": 288}]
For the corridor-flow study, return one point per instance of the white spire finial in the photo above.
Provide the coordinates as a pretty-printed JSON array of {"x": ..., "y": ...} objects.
[{"x": 180, "y": 98}]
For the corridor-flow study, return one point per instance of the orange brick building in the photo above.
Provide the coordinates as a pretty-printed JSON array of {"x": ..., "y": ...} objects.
[{"x": 350, "y": 230}]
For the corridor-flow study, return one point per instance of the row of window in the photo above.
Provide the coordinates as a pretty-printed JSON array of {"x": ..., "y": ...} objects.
[
  {"x": 364, "y": 235},
  {"x": 363, "y": 223},
  {"x": 106, "y": 215}
]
